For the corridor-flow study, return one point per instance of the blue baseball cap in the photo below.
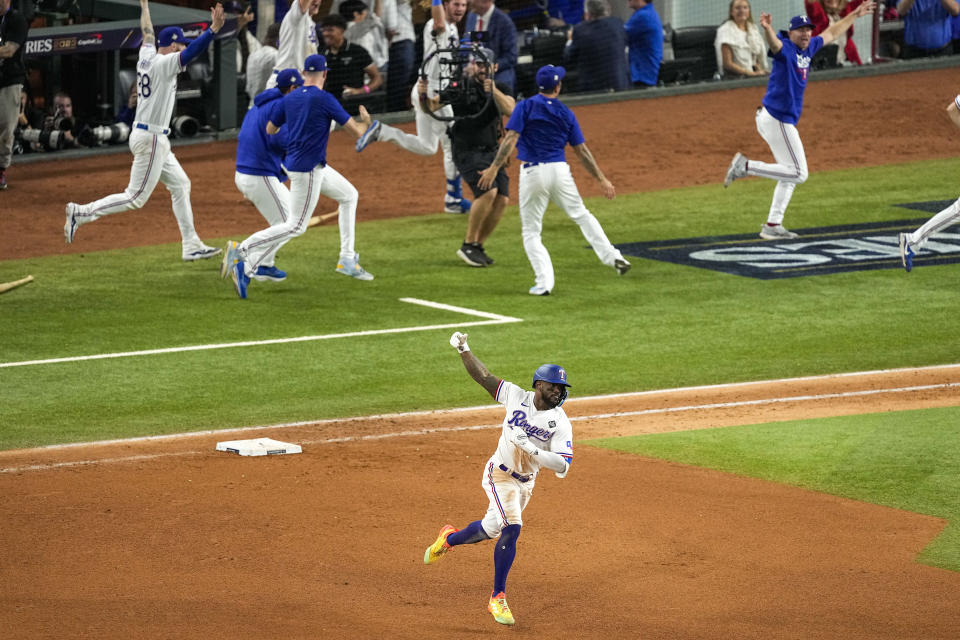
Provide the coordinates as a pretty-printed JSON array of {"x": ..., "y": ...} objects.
[
  {"x": 289, "y": 78},
  {"x": 170, "y": 35},
  {"x": 549, "y": 76},
  {"x": 315, "y": 63},
  {"x": 798, "y": 22}
]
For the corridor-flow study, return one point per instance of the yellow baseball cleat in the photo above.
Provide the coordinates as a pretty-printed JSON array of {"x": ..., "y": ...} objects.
[
  {"x": 435, "y": 551},
  {"x": 500, "y": 609}
]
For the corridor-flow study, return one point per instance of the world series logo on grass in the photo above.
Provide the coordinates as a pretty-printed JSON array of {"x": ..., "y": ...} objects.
[{"x": 818, "y": 251}]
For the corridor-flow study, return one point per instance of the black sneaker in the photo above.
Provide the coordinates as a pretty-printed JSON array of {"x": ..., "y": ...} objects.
[
  {"x": 471, "y": 255},
  {"x": 483, "y": 254}
]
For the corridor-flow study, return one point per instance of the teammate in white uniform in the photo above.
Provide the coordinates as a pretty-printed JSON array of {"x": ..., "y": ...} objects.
[
  {"x": 153, "y": 161},
  {"x": 440, "y": 32},
  {"x": 298, "y": 37},
  {"x": 541, "y": 127},
  {"x": 536, "y": 433},
  {"x": 911, "y": 243}
]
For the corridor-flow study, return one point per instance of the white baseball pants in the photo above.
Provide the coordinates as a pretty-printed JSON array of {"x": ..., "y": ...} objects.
[
  {"x": 791, "y": 162},
  {"x": 306, "y": 188},
  {"x": 939, "y": 222},
  {"x": 539, "y": 184},
  {"x": 272, "y": 200},
  {"x": 153, "y": 162},
  {"x": 430, "y": 131},
  {"x": 508, "y": 498}
]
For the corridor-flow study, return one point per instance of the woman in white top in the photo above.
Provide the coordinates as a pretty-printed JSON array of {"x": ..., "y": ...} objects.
[{"x": 739, "y": 45}]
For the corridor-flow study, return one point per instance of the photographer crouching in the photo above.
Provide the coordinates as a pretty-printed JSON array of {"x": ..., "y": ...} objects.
[
  {"x": 479, "y": 105},
  {"x": 60, "y": 129}
]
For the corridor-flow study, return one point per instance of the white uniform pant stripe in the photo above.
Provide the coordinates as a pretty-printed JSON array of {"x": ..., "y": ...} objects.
[
  {"x": 153, "y": 162},
  {"x": 539, "y": 185},
  {"x": 305, "y": 190},
  {"x": 507, "y": 499},
  {"x": 272, "y": 200},
  {"x": 939, "y": 222},
  {"x": 430, "y": 131},
  {"x": 791, "y": 162}
]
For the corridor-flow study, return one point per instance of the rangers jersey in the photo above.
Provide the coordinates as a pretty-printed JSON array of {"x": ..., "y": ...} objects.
[
  {"x": 444, "y": 40},
  {"x": 156, "y": 85},
  {"x": 548, "y": 430},
  {"x": 298, "y": 39}
]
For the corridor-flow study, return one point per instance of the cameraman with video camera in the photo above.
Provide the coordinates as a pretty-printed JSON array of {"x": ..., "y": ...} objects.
[
  {"x": 479, "y": 104},
  {"x": 13, "y": 75}
]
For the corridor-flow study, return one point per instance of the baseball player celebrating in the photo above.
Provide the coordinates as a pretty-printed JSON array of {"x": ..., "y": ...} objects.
[
  {"x": 298, "y": 37},
  {"x": 777, "y": 118},
  {"x": 536, "y": 433},
  {"x": 443, "y": 34},
  {"x": 541, "y": 127},
  {"x": 161, "y": 59},
  {"x": 306, "y": 113},
  {"x": 911, "y": 243},
  {"x": 259, "y": 175}
]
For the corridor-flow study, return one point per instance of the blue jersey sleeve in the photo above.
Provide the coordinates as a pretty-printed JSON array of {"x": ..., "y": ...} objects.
[
  {"x": 279, "y": 114},
  {"x": 576, "y": 135},
  {"x": 196, "y": 47},
  {"x": 517, "y": 118},
  {"x": 780, "y": 55},
  {"x": 816, "y": 43},
  {"x": 337, "y": 112}
]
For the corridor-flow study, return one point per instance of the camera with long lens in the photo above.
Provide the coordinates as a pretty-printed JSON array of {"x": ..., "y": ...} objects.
[
  {"x": 185, "y": 126},
  {"x": 46, "y": 139},
  {"x": 105, "y": 134}
]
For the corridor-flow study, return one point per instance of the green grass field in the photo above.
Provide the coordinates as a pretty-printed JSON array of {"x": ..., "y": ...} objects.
[{"x": 661, "y": 326}]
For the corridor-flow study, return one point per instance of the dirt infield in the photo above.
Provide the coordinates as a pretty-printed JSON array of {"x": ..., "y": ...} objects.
[
  {"x": 169, "y": 539},
  {"x": 641, "y": 145}
]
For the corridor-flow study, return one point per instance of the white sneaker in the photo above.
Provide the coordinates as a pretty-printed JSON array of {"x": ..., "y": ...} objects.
[
  {"x": 351, "y": 267},
  {"x": 776, "y": 232},
  {"x": 738, "y": 169},
  {"x": 537, "y": 290},
  {"x": 70, "y": 227},
  {"x": 200, "y": 252}
]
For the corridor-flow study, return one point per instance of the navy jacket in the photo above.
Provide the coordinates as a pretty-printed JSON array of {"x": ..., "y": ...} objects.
[{"x": 598, "y": 49}]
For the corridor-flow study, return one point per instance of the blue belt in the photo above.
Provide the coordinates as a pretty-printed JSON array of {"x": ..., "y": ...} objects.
[
  {"x": 515, "y": 474},
  {"x": 146, "y": 127},
  {"x": 527, "y": 165}
]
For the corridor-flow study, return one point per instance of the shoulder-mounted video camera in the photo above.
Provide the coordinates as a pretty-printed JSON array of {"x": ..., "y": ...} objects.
[{"x": 459, "y": 85}]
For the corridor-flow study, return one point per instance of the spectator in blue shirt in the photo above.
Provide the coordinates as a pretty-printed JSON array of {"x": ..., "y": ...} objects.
[
  {"x": 927, "y": 30},
  {"x": 645, "y": 39}
]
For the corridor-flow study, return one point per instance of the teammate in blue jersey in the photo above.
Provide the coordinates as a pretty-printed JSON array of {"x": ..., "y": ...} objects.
[
  {"x": 777, "y": 118},
  {"x": 259, "y": 175},
  {"x": 540, "y": 128},
  {"x": 306, "y": 115}
]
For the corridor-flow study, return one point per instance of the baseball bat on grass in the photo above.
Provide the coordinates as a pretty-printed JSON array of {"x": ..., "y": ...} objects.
[
  {"x": 316, "y": 221},
  {"x": 7, "y": 286}
]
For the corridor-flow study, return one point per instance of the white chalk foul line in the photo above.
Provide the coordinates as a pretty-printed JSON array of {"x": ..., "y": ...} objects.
[
  {"x": 492, "y": 318},
  {"x": 421, "y": 432}
]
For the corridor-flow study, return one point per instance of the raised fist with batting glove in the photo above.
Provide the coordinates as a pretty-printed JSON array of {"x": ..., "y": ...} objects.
[{"x": 459, "y": 342}]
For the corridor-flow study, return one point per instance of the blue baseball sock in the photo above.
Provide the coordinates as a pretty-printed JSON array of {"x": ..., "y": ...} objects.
[
  {"x": 454, "y": 190},
  {"x": 470, "y": 534},
  {"x": 503, "y": 555}
]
